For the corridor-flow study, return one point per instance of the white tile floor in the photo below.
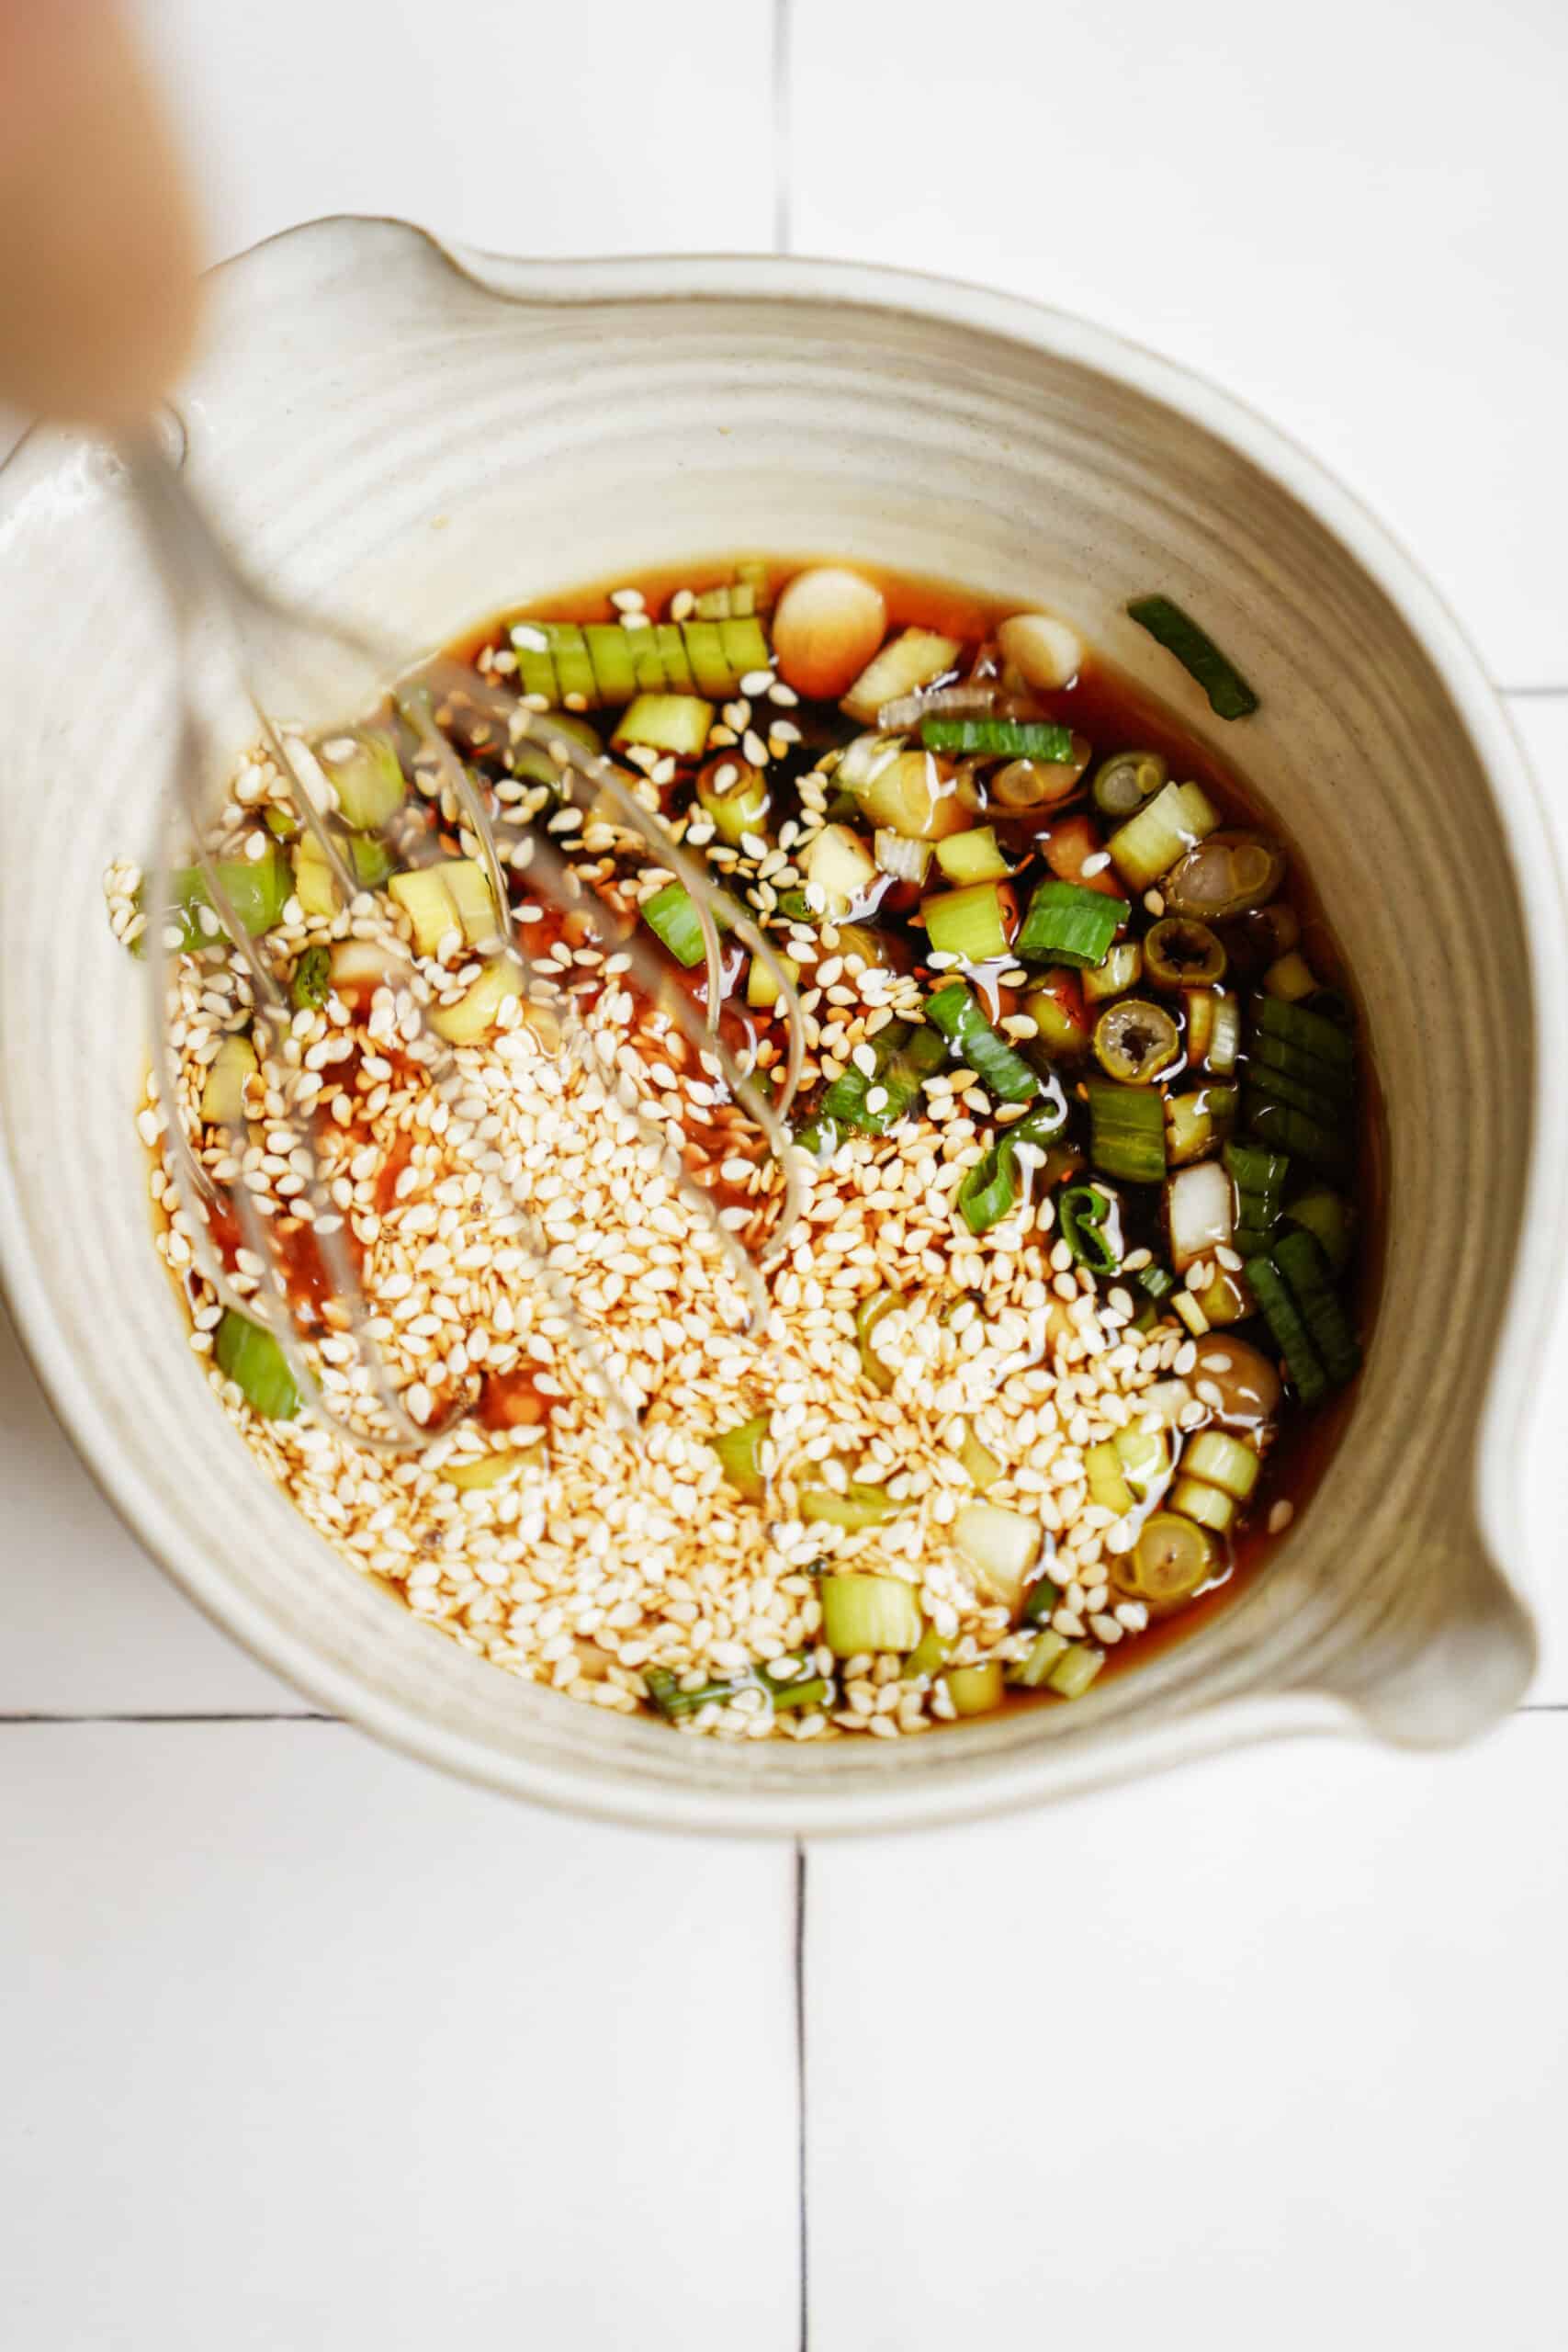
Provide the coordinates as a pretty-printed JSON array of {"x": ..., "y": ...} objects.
[{"x": 300, "y": 2046}]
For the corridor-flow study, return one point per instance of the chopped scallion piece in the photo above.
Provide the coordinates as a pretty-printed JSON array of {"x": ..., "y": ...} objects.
[
  {"x": 672, "y": 913},
  {"x": 905, "y": 1057},
  {"x": 1073, "y": 1672},
  {"x": 312, "y": 981},
  {"x": 1000, "y": 1545},
  {"x": 1287, "y": 1329},
  {"x": 739, "y": 1451},
  {"x": 975, "y": 1689},
  {"x": 968, "y": 925},
  {"x": 258, "y": 888},
  {"x": 868, "y": 1315},
  {"x": 955, "y": 1011},
  {"x": 247, "y": 1354},
  {"x": 989, "y": 1191},
  {"x": 867, "y": 1612},
  {"x": 1324, "y": 1039},
  {"x": 1297, "y": 1132},
  {"x": 1031, "y": 1674},
  {"x": 1229, "y": 694},
  {"x": 1088, "y": 1220},
  {"x": 789, "y": 1688},
  {"x": 1001, "y": 738},
  {"x": 1044, "y": 1595},
  {"x": 1259, "y": 1181},
  {"x": 1301, "y": 1261},
  {"x": 1221, "y": 1461},
  {"x": 1126, "y": 1131},
  {"x": 929, "y": 1656},
  {"x": 972, "y": 856},
  {"x": 1331, "y": 1219},
  {"x": 1069, "y": 924},
  {"x": 859, "y": 1506}
]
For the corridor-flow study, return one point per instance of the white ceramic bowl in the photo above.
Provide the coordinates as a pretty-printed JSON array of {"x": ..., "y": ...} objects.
[{"x": 416, "y": 437}]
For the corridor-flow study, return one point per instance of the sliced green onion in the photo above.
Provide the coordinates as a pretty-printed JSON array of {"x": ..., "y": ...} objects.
[
  {"x": 312, "y": 981},
  {"x": 1281, "y": 1069},
  {"x": 1221, "y": 1461},
  {"x": 905, "y": 1057},
  {"x": 1304, "y": 1267},
  {"x": 1069, "y": 924},
  {"x": 868, "y": 1315},
  {"x": 980, "y": 1465},
  {"x": 1042, "y": 1596},
  {"x": 1212, "y": 1507},
  {"x": 1134, "y": 1040},
  {"x": 247, "y": 1354},
  {"x": 789, "y": 1688},
  {"x": 1001, "y": 738},
  {"x": 258, "y": 888},
  {"x": 1324, "y": 1039},
  {"x": 1298, "y": 1133},
  {"x": 1330, "y": 1219},
  {"x": 1126, "y": 1131},
  {"x": 1127, "y": 781},
  {"x": 1121, "y": 970},
  {"x": 1290, "y": 976},
  {"x": 858, "y": 1506},
  {"x": 1088, "y": 1220},
  {"x": 989, "y": 1191},
  {"x": 956, "y": 1010},
  {"x": 1150, "y": 844},
  {"x": 864, "y": 1612},
  {"x": 1287, "y": 1329},
  {"x": 1073, "y": 1673},
  {"x": 975, "y": 1689},
  {"x": 968, "y": 925},
  {"x": 223, "y": 1095},
  {"x": 1171, "y": 1559},
  {"x": 672, "y": 915},
  {"x": 1031, "y": 1675},
  {"x": 1183, "y": 953},
  {"x": 1259, "y": 1181},
  {"x": 1157, "y": 1282},
  {"x": 677, "y": 723},
  {"x": 734, "y": 794},
  {"x": 1000, "y": 1545},
  {"x": 929, "y": 1656},
  {"x": 1224, "y": 1046},
  {"x": 972, "y": 856},
  {"x": 1108, "y": 1490},
  {"x": 1229, "y": 694},
  {"x": 1194, "y": 1123},
  {"x": 739, "y": 1451},
  {"x": 364, "y": 771},
  {"x": 1058, "y": 1013},
  {"x": 1144, "y": 1457}
]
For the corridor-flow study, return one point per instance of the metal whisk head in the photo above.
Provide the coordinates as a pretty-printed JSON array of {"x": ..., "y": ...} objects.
[{"x": 242, "y": 652}]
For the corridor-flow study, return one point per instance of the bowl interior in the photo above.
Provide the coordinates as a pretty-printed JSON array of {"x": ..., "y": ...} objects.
[{"x": 389, "y": 439}]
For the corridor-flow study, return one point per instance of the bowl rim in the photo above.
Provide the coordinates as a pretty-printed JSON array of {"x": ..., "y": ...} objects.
[{"x": 1008, "y": 1783}]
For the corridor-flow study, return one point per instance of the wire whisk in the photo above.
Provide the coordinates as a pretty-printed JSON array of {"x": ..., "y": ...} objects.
[{"x": 246, "y": 658}]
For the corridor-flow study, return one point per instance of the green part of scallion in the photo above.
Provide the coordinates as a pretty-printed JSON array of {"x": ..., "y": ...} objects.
[
  {"x": 312, "y": 981},
  {"x": 739, "y": 1451},
  {"x": 905, "y": 1057},
  {"x": 1330, "y": 1218},
  {"x": 1157, "y": 1282},
  {"x": 1304, "y": 1267},
  {"x": 1001, "y": 738},
  {"x": 1127, "y": 781},
  {"x": 1229, "y": 694},
  {"x": 928, "y": 1657},
  {"x": 869, "y": 1612},
  {"x": 1068, "y": 924},
  {"x": 989, "y": 1191},
  {"x": 1031, "y": 1674},
  {"x": 1287, "y": 1329},
  {"x": 1302, "y": 1094},
  {"x": 966, "y": 924},
  {"x": 671, "y": 914},
  {"x": 1259, "y": 1181},
  {"x": 1089, "y": 1222},
  {"x": 1073, "y": 1672},
  {"x": 1283, "y": 1128},
  {"x": 1044, "y": 1595},
  {"x": 258, "y": 888},
  {"x": 956, "y": 1010},
  {"x": 789, "y": 1688},
  {"x": 249, "y": 1355},
  {"x": 858, "y": 1506},
  {"x": 1312, "y": 1032},
  {"x": 1126, "y": 1131}
]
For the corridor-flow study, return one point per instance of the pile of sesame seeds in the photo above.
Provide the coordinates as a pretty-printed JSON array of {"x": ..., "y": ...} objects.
[{"x": 581, "y": 1557}]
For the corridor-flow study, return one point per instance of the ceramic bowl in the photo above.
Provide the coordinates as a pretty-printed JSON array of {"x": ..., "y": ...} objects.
[{"x": 413, "y": 437}]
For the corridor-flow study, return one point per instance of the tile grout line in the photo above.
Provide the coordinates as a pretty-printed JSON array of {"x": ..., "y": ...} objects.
[
  {"x": 783, "y": 158},
  {"x": 800, "y": 2090}
]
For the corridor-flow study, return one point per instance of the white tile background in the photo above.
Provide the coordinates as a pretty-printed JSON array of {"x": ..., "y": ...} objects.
[{"x": 299, "y": 2046}]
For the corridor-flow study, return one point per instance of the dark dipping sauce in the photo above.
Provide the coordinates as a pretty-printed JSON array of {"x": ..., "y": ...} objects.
[{"x": 1115, "y": 715}]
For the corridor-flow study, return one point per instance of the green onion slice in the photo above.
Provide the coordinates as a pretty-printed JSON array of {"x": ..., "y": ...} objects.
[
  {"x": 1126, "y": 1131},
  {"x": 1067, "y": 923},
  {"x": 1088, "y": 1218},
  {"x": 989, "y": 1191},
  {"x": 739, "y": 1451},
  {"x": 1002, "y": 739},
  {"x": 1287, "y": 1329},
  {"x": 249, "y": 1355},
  {"x": 1229, "y": 694},
  {"x": 671, "y": 914},
  {"x": 956, "y": 1010}
]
